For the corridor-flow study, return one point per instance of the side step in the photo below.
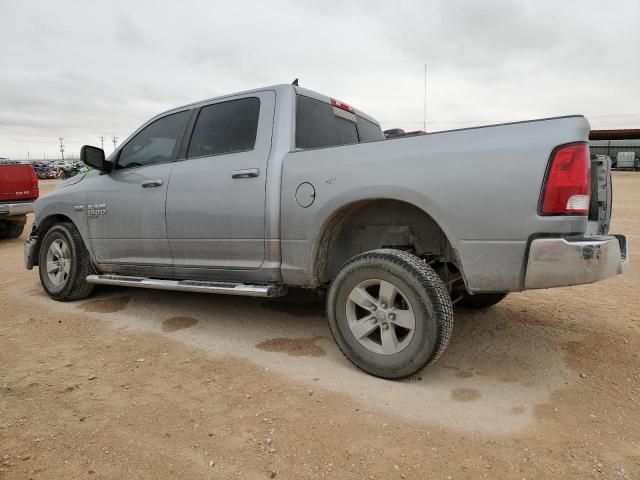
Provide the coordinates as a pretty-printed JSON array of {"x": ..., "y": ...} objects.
[{"x": 227, "y": 288}]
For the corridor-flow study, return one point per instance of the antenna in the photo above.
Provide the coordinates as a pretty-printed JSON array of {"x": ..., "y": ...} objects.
[
  {"x": 295, "y": 83},
  {"x": 424, "y": 117}
]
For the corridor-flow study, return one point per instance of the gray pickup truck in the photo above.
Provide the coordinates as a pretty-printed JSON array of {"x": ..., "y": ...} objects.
[{"x": 250, "y": 193}]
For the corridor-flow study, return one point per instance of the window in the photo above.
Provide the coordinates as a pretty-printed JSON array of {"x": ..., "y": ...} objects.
[
  {"x": 155, "y": 143},
  {"x": 369, "y": 131},
  {"x": 225, "y": 128},
  {"x": 319, "y": 124}
]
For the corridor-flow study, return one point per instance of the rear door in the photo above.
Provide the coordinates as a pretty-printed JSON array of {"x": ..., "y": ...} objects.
[
  {"x": 126, "y": 208},
  {"x": 216, "y": 196}
]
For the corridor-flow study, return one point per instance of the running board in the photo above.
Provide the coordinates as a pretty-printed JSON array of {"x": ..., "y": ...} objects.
[{"x": 227, "y": 288}]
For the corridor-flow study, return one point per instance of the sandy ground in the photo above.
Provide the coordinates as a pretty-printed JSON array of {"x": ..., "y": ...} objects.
[{"x": 145, "y": 384}]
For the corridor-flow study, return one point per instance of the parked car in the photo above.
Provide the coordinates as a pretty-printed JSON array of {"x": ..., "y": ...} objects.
[
  {"x": 70, "y": 170},
  {"x": 45, "y": 170},
  {"x": 18, "y": 191},
  {"x": 250, "y": 193}
]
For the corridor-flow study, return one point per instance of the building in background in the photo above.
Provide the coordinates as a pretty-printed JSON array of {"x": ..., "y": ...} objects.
[{"x": 611, "y": 142}]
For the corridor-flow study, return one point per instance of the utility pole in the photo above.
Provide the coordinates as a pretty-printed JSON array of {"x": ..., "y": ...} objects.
[
  {"x": 424, "y": 118},
  {"x": 28, "y": 158},
  {"x": 114, "y": 139},
  {"x": 102, "y": 142},
  {"x": 61, "y": 148}
]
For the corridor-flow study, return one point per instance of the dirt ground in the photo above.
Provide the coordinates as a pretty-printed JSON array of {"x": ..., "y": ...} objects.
[{"x": 153, "y": 385}]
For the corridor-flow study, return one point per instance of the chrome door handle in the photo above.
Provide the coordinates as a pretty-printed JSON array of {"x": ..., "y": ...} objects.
[
  {"x": 154, "y": 182},
  {"x": 246, "y": 173}
]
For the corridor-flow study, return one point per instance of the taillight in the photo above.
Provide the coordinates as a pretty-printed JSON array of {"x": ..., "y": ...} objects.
[
  {"x": 566, "y": 188},
  {"x": 342, "y": 105},
  {"x": 34, "y": 182}
]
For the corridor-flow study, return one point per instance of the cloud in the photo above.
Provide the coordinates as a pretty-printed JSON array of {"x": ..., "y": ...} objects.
[
  {"x": 129, "y": 35},
  {"x": 73, "y": 70}
]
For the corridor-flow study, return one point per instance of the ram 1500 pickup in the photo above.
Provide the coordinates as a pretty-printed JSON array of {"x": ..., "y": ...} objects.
[
  {"x": 18, "y": 192},
  {"x": 249, "y": 193}
]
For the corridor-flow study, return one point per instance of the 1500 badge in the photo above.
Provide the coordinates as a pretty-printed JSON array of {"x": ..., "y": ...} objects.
[{"x": 96, "y": 209}]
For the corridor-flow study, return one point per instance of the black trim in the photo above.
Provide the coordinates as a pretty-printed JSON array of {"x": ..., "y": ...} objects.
[
  {"x": 544, "y": 182},
  {"x": 186, "y": 137}
]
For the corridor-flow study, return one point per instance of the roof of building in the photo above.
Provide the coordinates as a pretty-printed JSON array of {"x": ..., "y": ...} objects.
[{"x": 620, "y": 134}]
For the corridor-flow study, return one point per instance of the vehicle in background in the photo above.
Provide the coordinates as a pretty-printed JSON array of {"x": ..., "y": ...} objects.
[
  {"x": 627, "y": 160},
  {"x": 18, "y": 192},
  {"x": 45, "y": 170},
  {"x": 253, "y": 192},
  {"x": 399, "y": 132},
  {"x": 70, "y": 170}
]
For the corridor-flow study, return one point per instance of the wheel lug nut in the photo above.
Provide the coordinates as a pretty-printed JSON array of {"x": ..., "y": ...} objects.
[
  {"x": 392, "y": 316},
  {"x": 373, "y": 308},
  {"x": 383, "y": 305},
  {"x": 385, "y": 326}
]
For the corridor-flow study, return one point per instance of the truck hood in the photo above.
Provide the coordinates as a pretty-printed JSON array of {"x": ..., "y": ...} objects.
[{"x": 71, "y": 181}]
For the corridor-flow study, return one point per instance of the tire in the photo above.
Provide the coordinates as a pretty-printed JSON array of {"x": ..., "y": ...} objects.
[
  {"x": 72, "y": 271},
  {"x": 482, "y": 300},
  {"x": 9, "y": 229},
  {"x": 381, "y": 346}
]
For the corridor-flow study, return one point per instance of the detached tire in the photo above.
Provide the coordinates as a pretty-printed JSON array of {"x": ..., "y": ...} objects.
[
  {"x": 389, "y": 313},
  {"x": 482, "y": 300},
  {"x": 64, "y": 264}
]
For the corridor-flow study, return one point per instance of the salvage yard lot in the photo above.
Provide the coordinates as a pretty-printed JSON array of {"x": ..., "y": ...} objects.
[{"x": 148, "y": 384}]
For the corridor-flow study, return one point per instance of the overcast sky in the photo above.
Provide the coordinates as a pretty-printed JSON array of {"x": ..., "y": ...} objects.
[{"x": 82, "y": 69}]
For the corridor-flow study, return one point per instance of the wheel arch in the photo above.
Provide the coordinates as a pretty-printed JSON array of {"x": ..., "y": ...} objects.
[
  {"x": 43, "y": 226},
  {"x": 379, "y": 222}
]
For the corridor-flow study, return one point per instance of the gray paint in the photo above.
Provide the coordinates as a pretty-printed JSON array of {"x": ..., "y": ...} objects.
[{"x": 480, "y": 185}]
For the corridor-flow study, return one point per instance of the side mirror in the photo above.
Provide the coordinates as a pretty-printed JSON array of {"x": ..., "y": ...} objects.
[{"x": 94, "y": 157}]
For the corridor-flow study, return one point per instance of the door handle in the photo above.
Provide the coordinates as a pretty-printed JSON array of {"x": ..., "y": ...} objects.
[
  {"x": 153, "y": 182},
  {"x": 246, "y": 173}
]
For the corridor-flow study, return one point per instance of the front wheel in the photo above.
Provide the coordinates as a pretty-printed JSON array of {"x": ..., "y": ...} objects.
[
  {"x": 65, "y": 264},
  {"x": 389, "y": 313}
]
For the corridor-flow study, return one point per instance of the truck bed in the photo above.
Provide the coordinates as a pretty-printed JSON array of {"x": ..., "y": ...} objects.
[{"x": 480, "y": 185}]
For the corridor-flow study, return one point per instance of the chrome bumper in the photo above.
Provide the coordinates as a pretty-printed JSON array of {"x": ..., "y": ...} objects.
[
  {"x": 558, "y": 262},
  {"x": 11, "y": 209}
]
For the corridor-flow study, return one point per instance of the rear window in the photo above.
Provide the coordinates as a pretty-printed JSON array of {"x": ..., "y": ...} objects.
[
  {"x": 225, "y": 128},
  {"x": 319, "y": 124}
]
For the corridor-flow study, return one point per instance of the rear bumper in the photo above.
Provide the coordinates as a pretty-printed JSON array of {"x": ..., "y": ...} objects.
[
  {"x": 11, "y": 209},
  {"x": 558, "y": 262}
]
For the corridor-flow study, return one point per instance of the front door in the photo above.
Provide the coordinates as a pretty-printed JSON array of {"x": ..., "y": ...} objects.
[
  {"x": 126, "y": 208},
  {"x": 216, "y": 196}
]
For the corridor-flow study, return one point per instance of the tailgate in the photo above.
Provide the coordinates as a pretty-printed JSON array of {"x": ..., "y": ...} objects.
[
  {"x": 601, "y": 196},
  {"x": 16, "y": 183}
]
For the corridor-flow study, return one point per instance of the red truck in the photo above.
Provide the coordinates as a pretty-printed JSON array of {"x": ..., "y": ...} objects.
[{"x": 18, "y": 192}]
